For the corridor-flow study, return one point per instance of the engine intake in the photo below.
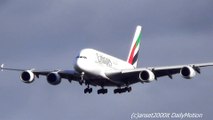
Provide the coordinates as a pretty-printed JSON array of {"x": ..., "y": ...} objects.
[
  {"x": 27, "y": 76},
  {"x": 54, "y": 78},
  {"x": 146, "y": 76},
  {"x": 188, "y": 72}
]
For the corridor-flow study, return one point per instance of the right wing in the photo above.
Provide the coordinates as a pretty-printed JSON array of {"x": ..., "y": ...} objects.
[{"x": 149, "y": 74}]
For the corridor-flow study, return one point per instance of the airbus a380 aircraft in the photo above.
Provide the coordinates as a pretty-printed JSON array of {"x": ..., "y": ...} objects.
[{"x": 95, "y": 68}]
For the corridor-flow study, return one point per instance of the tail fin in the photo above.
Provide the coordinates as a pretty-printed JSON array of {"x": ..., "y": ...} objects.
[{"x": 134, "y": 50}]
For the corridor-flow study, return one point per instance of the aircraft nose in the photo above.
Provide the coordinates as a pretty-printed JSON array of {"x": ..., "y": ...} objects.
[{"x": 79, "y": 64}]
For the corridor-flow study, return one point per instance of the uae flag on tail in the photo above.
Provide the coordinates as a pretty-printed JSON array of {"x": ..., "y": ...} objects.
[{"x": 134, "y": 50}]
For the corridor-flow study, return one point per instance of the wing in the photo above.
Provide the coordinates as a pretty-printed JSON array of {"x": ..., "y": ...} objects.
[
  {"x": 149, "y": 74},
  {"x": 66, "y": 74}
]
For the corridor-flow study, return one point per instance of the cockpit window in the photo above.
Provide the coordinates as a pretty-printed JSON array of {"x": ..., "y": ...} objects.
[{"x": 82, "y": 57}]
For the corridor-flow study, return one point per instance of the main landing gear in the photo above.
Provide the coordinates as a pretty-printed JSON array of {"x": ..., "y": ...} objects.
[
  {"x": 122, "y": 90},
  {"x": 102, "y": 91},
  {"x": 87, "y": 90}
]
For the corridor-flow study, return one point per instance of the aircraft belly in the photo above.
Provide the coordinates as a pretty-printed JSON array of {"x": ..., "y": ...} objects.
[
  {"x": 103, "y": 82},
  {"x": 125, "y": 79}
]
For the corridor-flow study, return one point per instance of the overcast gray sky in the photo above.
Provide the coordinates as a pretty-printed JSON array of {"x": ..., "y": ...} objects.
[{"x": 49, "y": 34}]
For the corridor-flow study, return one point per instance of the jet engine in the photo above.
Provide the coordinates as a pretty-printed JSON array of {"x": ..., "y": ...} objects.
[
  {"x": 146, "y": 76},
  {"x": 54, "y": 78},
  {"x": 188, "y": 72},
  {"x": 27, "y": 76}
]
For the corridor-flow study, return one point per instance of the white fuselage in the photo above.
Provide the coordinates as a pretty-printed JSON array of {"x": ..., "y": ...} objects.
[{"x": 96, "y": 64}]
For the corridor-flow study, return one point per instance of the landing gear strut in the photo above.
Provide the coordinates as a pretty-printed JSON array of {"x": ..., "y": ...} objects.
[
  {"x": 81, "y": 81},
  {"x": 88, "y": 89},
  {"x": 122, "y": 90}
]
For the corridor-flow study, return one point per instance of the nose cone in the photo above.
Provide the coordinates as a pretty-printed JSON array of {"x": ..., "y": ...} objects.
[
  {"x": 83, "y": 61},
  {"x": 78, "y": 65},
  {"x": 82, "y": 64}
]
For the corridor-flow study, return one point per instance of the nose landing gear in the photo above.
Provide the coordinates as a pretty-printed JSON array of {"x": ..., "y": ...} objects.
[{"x": 81, "y": 81}]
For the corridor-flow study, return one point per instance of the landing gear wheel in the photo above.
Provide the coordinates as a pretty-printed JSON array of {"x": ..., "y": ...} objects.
[
  {"x": 105, "y": 91},
  {"x": 102, "y": 91},
  {"x": 115, "y": 91},
  {"x": 129, "y": 89},
  {"x": 85, "y": 91},
  {"x": 122, "y": 90},
  {"x": 88, "y": 90}
]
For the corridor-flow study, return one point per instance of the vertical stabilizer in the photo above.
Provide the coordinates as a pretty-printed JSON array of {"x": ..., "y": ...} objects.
[{"x": 134, "y": 50}]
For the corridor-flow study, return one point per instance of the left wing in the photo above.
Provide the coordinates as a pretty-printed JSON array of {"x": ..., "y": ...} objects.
[
  {"x": 54, "y": 77},
  {"x": 149, "y": 74}
]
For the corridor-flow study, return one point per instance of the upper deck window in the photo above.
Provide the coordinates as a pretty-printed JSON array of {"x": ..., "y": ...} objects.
[{"x": 82, "y": 57}]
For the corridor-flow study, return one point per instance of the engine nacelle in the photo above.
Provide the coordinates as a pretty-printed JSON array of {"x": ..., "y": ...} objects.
[
  {"x": 188, "y": 72},
  {"x": 27, "y": 76},
  {"x": 54, "y": 78},
  {"x": 146, "y": 76}
]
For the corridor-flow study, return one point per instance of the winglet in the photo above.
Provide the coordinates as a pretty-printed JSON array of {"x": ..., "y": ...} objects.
[{"x": 2, "y": 67}]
